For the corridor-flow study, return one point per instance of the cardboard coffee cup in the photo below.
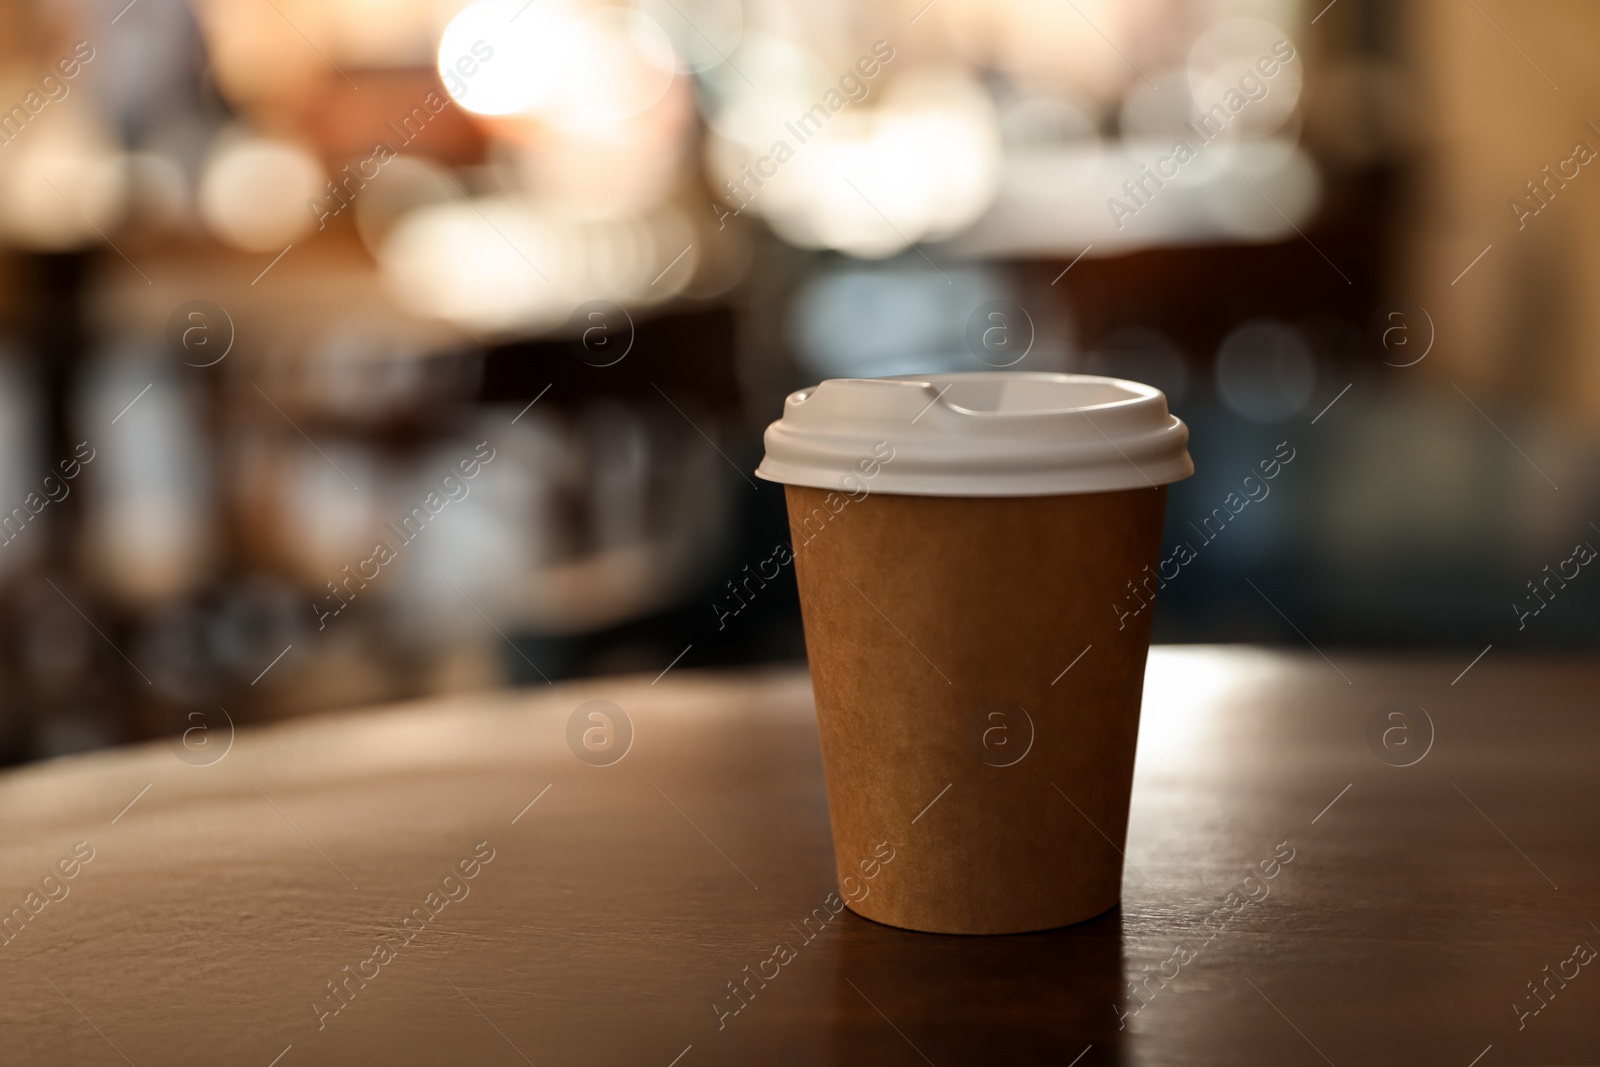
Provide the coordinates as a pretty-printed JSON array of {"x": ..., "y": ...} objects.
[{"x": 976, "y": 556}]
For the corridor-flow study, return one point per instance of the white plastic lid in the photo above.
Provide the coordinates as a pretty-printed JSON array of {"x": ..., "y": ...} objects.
[{"x": 990, "y": 433}]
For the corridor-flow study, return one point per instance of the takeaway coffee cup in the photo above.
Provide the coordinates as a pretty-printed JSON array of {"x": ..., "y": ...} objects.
[{"x": 976, "y": 556}]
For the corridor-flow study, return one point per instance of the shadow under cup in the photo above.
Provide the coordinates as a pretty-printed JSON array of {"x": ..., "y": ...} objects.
[{"x": 977, "y": 664}]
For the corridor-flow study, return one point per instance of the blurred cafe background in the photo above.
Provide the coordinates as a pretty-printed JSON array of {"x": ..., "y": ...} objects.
[{"x": 511, "y": 288}]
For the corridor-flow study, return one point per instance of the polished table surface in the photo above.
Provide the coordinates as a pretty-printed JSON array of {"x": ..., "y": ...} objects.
[{"x": 1414, "y": 914}]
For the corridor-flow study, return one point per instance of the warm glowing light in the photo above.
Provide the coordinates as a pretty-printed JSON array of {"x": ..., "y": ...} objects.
[
  {"x": 502, "y": 57},
  {"x": 491, "y": 272},
  {"x": 622, "y": 63},
  {"x": 922, "y": 164},
  {"x": 254, "y": 191},
  {"x": 65, "y": 185},
  {"x": 509, "y": 57},
  {"x": 610, "y": 172},
  {"x": 498, "y": 266}
]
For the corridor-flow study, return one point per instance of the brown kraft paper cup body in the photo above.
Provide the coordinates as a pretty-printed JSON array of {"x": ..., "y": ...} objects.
[{"x": 937, "y": 630}]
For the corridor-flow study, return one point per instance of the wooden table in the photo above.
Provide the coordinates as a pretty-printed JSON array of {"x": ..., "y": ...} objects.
[{"x": 221, "y": 899}]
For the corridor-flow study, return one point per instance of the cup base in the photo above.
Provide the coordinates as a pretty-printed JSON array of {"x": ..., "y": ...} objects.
[{"x": 1039, "y": 926}]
